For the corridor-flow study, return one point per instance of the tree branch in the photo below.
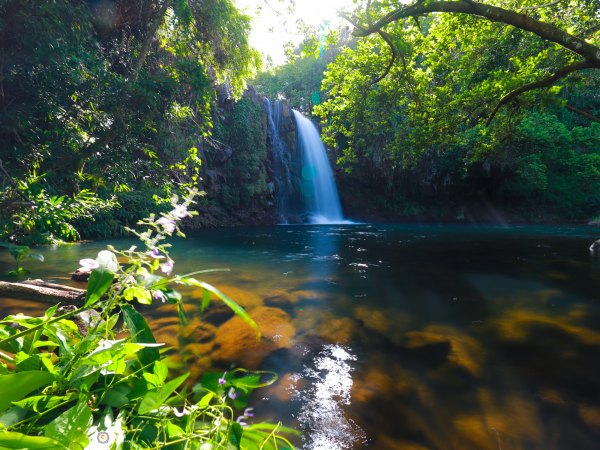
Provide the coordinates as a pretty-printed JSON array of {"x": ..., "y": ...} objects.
[
  {"x": 583, "y": 113},
  {"x": 152, "y": 29},
  {"x": 388, "y": 40},
  {"x": 545, "y": 30},
  {"x": 544, "y": 82}
]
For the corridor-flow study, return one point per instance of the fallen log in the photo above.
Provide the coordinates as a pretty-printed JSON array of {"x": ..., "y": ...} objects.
[{"x": 42, "y": 291}]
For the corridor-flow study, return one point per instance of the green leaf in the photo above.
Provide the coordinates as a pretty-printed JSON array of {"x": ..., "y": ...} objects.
[
  {"x": 40, "y": 403},
  {"x": 37, "y": 256},
  {"x": 235, "y": 434},
  {"x": 71, "y": 427},
  {"x": 99, "y": 282},
  {"x": 156, "y": 398},
  {"x": 161, "y": 371},
  {"x": 237, "y": 309},
  {"x": 139, "y": 293},
  {"x": 206, "y": 296},
  {"x": 17, "y": 385},
  {"x": 173, "y": 431},
  {"x": 12, "y": 416},
  {"x": 117, "y": 396},
  {"x": 171, "y": 295},
  {"x": 25, "y": 362},
  {"x": 11, "y": 439},
  {"x": 140, "y": 333},
  {"x": 205, "y": 401}
]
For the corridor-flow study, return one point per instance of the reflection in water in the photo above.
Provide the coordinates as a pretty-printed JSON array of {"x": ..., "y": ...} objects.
[{"x": 322, "y": 417}]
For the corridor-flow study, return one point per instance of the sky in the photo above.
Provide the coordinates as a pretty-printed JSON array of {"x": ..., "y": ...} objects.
[{"x": 270, "y": 30}]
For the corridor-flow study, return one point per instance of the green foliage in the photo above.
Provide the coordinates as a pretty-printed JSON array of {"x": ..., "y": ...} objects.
[
  {"x": 75, "y": 384},
  {"x": 296, "y": 83},
  {"x": 45, "y": 218},
  {"x": 419, "y": 135},
  {"x": 111, "y": 98},
  {"x": 299, "y": 81},
  {"x": 20, "y": 253}
]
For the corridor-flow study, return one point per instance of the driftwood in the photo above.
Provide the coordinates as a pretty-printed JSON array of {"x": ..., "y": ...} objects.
[{"x": 42, "y": 291}]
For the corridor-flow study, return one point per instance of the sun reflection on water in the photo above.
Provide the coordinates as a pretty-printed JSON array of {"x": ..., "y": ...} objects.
[{"x": 322, "y": 417}]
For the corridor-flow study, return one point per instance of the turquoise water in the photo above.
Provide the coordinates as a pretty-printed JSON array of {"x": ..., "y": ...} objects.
[{"x": 393, "y": 337}]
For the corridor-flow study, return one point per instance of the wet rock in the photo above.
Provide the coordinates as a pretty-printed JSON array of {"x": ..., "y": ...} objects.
[
  {"x": 198, "y": 332},
  {"x": 81, "y": 274},
  {"x": 464, "y": 351},
  {"x": 590, "y": 416},
  {"x": 338, "y": 331},
  {"x": 280, "y": 298},
  {"x": 199, "y": 350},
  {"x": 513, "y": 417},
  {"x": 243, "y": 297},
  {"x": 522, "y": 324},
  {"x": 217, "y": 313},
  {"x": 393, "y": 443},
  {"x": 389, "y": 323},
  {"x": 236, "y": 341},
  {"x": 375, "y": 382},
  {"x": 168, "y": 335},
  {"x": 326, "y": 325},
  {"x": 284, "y": 388},
  {"x": 307, "y": 297}
]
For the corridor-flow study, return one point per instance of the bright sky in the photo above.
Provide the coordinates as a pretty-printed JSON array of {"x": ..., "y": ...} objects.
[{"x": 270, "y": 31}]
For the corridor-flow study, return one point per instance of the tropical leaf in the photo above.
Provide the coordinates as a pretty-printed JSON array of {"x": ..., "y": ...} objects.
[
  {"x": 237, "y": 309},
  {"x": 16, "y": 386},
  {"x": 140, "y": 333},
  {"x": 99, "y": 282},
  {"x": 70, "y": 428},
  {"x": 11, "y": 439},
  {"x": 154, "y": 399}
]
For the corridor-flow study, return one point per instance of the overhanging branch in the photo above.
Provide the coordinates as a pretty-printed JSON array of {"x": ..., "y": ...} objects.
[
  {"x": 386, "y": 38},
  {"x": 545, "y": 30},
  {"x": 583, "y": 113},
  {"x": 544, "y": 82}
]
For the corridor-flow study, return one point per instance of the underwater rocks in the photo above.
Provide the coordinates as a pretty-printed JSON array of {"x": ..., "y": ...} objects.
[{"x": 236, "y": 342}]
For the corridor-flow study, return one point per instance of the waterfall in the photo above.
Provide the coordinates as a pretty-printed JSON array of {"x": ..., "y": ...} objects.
[
  {"x": 282, "y": 175},
  {"x": 318, "y": 184}
]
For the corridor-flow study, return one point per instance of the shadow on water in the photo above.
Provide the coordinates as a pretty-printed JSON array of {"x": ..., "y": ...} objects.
[{"x": 398, "y": 337}]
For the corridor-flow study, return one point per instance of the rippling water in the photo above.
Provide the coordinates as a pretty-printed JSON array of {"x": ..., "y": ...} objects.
[{"x": 401, "y": 337}]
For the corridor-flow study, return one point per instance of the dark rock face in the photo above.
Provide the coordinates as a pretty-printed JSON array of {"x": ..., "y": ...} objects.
[
  {"x": 285, "y": 161},
  {"x": 219, "y": 156}
]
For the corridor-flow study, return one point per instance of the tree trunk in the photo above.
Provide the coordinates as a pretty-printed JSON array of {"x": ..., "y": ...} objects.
[{"x": 42, "y": 291}]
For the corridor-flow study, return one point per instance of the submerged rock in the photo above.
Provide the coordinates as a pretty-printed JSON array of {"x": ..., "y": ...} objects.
[
  {"x": 464, "y": 351},
  {"x": 236, "y": 342},
  {"x": 390, "y": 323}
]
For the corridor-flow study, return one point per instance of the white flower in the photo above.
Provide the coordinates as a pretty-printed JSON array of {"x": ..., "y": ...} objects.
[
  {"x": 180, "y": 211},
  {"x": 167, "y": 224},
  {"x": 167, "y": 267},
  {"x": 87, "y": 264}
]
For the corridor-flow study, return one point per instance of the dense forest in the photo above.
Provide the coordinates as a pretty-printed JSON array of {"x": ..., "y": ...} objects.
[{"x": 109, "y": 107}]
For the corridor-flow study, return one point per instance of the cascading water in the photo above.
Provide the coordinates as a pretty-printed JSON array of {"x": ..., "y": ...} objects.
[
  {"x": 281, "y": 164},
  {"x": 318, "y": 184}
]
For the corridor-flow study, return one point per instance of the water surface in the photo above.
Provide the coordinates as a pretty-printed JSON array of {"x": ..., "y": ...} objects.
[{"x": 401, "y": 337}]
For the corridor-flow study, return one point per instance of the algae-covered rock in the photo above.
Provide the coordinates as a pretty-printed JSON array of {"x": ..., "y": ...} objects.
[{"x": 236, "y": 342}]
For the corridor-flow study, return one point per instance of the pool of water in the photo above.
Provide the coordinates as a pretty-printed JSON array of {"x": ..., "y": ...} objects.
[{"x": 398, "y": 337}]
